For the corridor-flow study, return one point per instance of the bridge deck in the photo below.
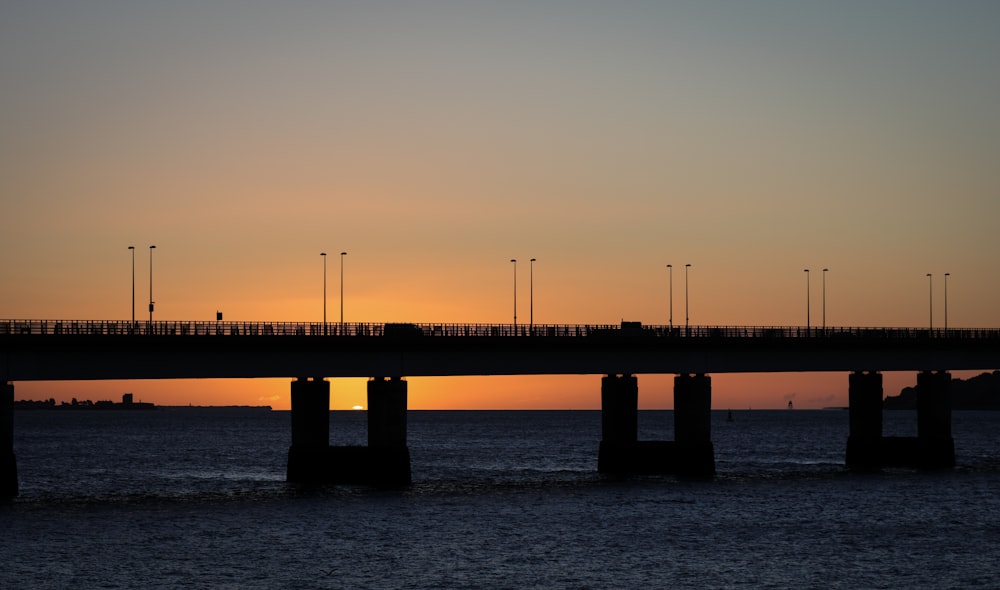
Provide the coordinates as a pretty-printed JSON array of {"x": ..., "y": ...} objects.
[{"x": 74, "y": 350}]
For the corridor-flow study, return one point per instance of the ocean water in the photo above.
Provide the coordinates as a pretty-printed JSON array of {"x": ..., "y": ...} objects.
[{"x": 196, "y": 498}]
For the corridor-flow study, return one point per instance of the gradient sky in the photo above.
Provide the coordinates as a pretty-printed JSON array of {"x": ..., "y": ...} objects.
[{"x": 435, "y": 141}]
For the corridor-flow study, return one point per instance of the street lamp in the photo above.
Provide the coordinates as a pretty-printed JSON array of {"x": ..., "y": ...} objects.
[
  {"x": 670, "y": 271},
  {"x": 514, "y": 260},
  {"x": 531, "y": 295},
  {"x": 825, "y": 270},
  {"x": 946, "y": 275},
  {"x": 342, "y": 254},
  {"x": 151, "y": 248},
  {"x": 687, "y": 316},
  {"x": 132, "y": 248},
  {"x": 930, "y": 299},
  {"x": 807, "y": 300},
  {"x": 323, "y": 254}
]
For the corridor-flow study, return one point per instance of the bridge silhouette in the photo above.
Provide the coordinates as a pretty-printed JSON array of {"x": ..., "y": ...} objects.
[{"x": 387, "y": 353}]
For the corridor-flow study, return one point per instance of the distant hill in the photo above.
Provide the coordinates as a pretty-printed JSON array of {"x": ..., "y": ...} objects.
[{"x": 981, "y": 392}]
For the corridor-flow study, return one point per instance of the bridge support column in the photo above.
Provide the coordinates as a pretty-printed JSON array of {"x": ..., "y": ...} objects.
[
  {"x": 693, "y": 425},
  {"x": 8, "y": 462},
  {"x": 864, "y": 443},
  {"x": 308, "y": 456},
  {"x": 619, "y": 409},
  {"x": 386, "y": 459},
  {"x": 619, "y": 423},
  {"x": 389, "y": 461},
  {"x": 935, "y": 445}
]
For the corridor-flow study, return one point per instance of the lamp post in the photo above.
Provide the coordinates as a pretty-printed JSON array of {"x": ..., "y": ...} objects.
[
  {"x": 531, "y": 296},
  {"x": 687, "y": 316},
  {"x": 132, "y": 248},
  {"x": 670, "y": 271},
  {"x": 825, "y": 270},
  {"x": 930, "y": 300},
  {"x": 514, "y": 260},
  {"x": 151, "y": 248},
  {"x": 342, "y": 254},
  {"x": 323, "y": 254},
  {"x": 946, "y": 275},
  {"x": 807, "y": 300}
]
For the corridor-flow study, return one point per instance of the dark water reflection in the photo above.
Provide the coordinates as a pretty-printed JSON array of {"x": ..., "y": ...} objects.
[{"x": 197, "y": 498}]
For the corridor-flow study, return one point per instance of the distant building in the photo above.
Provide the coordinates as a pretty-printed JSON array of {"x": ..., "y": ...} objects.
[{"x": 127, "y": 403}]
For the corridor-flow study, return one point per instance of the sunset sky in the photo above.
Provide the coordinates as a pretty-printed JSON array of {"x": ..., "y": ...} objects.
[{"x": 435, "y": 141}]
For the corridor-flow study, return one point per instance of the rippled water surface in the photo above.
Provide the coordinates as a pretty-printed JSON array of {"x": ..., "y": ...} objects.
[{"x": 196, "y": 498}]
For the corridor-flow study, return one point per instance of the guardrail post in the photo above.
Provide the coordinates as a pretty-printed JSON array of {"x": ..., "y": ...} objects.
[{"x": 8, "y": 462}]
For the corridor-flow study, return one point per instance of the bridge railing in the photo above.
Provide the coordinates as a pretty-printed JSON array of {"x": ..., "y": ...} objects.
[{"x": 364, "y": 329}]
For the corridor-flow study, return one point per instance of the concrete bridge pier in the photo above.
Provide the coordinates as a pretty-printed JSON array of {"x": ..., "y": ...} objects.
[
  {"x": 618, "y": 452},
  {"x": 389, "y": 455},
  {"x": 695, "y": 454},
  {"x": 864, "y": 443},
  {"x": 8, "y": 462},
  {"x": 691, "y": 453},
  {"x": 308, "y": 457},
  {"x": 935, "y": 445},
  {"x": 619, "y": 409},
  {"x": 932, "y": 448},
  {"x": 386, "y": 459}
]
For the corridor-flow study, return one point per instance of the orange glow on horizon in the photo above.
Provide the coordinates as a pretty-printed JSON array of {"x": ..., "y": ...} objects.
[{"x": 573, "y": 392}]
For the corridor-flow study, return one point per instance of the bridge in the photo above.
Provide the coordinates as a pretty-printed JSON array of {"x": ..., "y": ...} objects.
[{"x": 310, "y": 353}]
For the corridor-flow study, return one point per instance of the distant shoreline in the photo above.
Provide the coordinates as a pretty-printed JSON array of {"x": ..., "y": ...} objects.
[
  {"x": 981, "y": 392},
  {"x": 231, "y": 407},
  {"x": 126, "y": 405}
]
